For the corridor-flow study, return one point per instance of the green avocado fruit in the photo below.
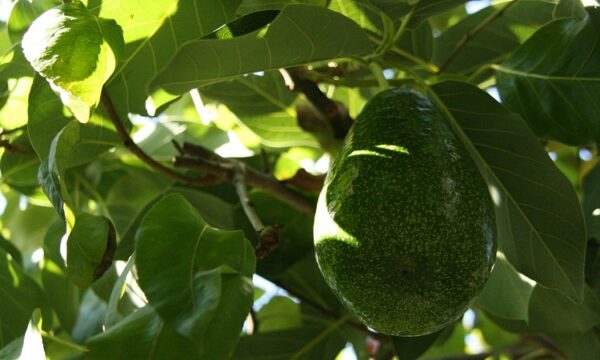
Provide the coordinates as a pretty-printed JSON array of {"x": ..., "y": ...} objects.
[{"x": 404, "y": 232}]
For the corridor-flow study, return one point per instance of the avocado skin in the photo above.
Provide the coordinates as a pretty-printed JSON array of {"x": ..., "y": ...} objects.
[{"x": 405, "y": 231}]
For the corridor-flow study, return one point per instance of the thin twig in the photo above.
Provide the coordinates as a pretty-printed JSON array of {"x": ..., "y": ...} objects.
[
  {"x": 240, "y": 187},
  {"x": 143, "y": 156},
  {"x": 256, "y": 179},
  {"x": 472, "y": 33}
]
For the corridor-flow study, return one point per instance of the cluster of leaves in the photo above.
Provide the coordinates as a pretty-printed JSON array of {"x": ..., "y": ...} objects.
[{"x": 111, "y": 252}]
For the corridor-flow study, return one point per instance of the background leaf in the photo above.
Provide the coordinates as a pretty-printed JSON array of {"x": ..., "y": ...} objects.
[
  {"x": 552, "y": 80},
  {"x": 540, "y": 224}
]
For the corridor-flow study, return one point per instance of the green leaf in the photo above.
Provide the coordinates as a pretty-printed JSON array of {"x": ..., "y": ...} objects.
[
  {"x": 506, "y": 294},
  {"x": 19, "y": 165},
  {"x": 579, "y": 346},
  {"x": 539, "y": 219},
  {"x": 116, "y": 294},
  {"x": 552, "y": 312},
  {"x": 14, "y": 112},
  {"x": 265, "y": 106},
  {"x": 50, "y": 184},
  {"x": 299, "y": 34},
  {"x": 89, "y": 318},
  {"x": 591, "y": 201},
  {"x": 20, "y": 296},
  {"x": 90, "y": 248},
  {"x": 422, "y": 8},
  {"x": 250, "y": 6},
  {"x": 12, "y": 250},
  {"x": 61, "y": 293},
  {"x": 199, "y": 280},
  {"x": 569, "y": 8},
  {"x": 46, "y": 116},
  {"x": 494, "y": 41},
  {"x": 74, "y": 51},
  {"x": 154, "y": 35},
  {"x": 552, "y": 80},
  {"x": 411, "y": 348},
  {"x": 307, "y": 342},
  {"x": 74, "y": 145},
  {"x": 141, "y": 335},
  {"x": 280, "y": 313}
]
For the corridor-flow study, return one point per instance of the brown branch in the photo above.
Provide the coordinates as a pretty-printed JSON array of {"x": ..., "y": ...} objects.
[
  {"x": 12, "y": 147},
  {"x": 143, "y": 156},
  {"x": 472, "y": 33},
  {"x": 306, "y": 181},
  {"x": 339, "y": 121},
  {"x": 225, "y": 170}
]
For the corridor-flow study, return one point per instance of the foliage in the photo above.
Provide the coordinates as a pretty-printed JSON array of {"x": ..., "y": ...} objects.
[{"x": 157, "y": 155}]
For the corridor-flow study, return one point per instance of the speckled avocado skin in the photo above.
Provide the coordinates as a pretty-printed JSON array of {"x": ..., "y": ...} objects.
[{"x": 405, "y": 233}]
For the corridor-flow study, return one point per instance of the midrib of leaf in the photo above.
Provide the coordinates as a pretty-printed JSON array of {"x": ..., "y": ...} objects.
[
  {"x": 541, "y": 76},
  {"x": 481, "y": 160},
  {"x": 320, "y": 337}
]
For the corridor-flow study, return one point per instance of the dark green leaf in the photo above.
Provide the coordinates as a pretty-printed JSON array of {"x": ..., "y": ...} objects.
[
  {"x": 62, "y": 294},
  {"x": 540, "y": 224},
  {"x": 300, "y": 34},
  {"x": 141, "y": 335},
  {"x": 199, "y": 279},
  {"x": 153, "y": 35},
  {"x": 411, "y": 348},
  {"x": 579, "y": 346},
  {"x": 422, "y": 8},
  {"x": 506, "y": 294},
  {"x": 90, "y": 248},
  {"x": 591, "y": 201},
  {"x": 552, "y": 80},
  {"x": 50, "y": 184},
  {"x": 19, "y": 164},
  {"x": 12, "y": 250},
  {"x": 117, "y": 292},
  {"x": 20, "y": 296},
  {"x": 308, "y": 342},
  {"x": 496, "y": 40},
  {"x": 90, "y": 317}
]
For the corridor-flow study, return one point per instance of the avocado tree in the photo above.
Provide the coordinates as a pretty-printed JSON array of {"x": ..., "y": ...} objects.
[{"x": 161, "y": 164}]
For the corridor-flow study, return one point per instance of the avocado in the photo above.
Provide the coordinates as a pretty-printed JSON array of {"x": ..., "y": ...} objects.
[{"x": 404, "y": 231}]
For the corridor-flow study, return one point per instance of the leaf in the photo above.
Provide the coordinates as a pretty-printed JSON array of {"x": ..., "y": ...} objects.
[
  {"x": 12, "y": 250},
  {"x": 265, "y": 106},
  {"x": 60, "y": 291},
  {"x": 75, "y": 144},
  {"x": 411, "y": 348},
  {"x": 278, "y": 314},
  {"x": 506, "y": 294},
  {"x": 153, "y": 36},
  {"x": 422, "y": 8},
  {"x": 552, "y": 80},
  {"x": 539, "y": 219},
  {"x": 45, "y": 116},
  {"x": 141, "y": 335},
  {"x": 251, "y": 6},
  {"x": 579, "y": 346},
  {"x": 591, "y": 201},
  {"x": 199, "y": 280},
  {"x": 14, "y": 112},
  {"x": 20, "y": 296},
  {"x": 89, "y": 318},
  {"x": 569, "y": 8},
  {"x": 90, "y": 248},
  {"x": 116, "y": 294},
  {"x": 50, "y": 184},
  {"x": 19, "y": 164},
  {"x": 552, "y": 312},
  {"x": 299, "y": 34},
  {"x": 74, "y": 51},
  {"x": 307, "y": 342},
  {"x": 494, "y": 41}
]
